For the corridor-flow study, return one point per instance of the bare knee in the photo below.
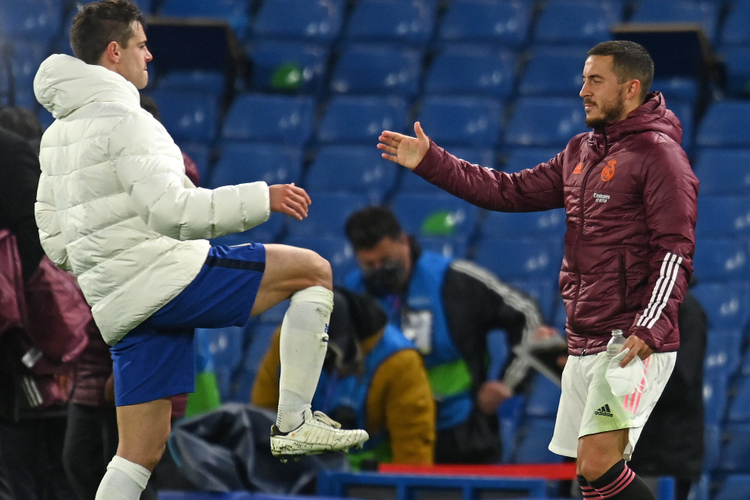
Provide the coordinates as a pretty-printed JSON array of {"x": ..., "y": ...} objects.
[
  {"x": 317, "y": 272},
  {"x": 592, "y": 468}
]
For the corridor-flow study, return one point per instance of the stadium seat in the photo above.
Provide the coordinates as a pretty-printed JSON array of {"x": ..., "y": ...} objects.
[
  {"x": 714, "y": 397},
  {"x": 357, "y": 169},
  {"x": 736, "y": 30},
  {"x": 504, "y": 23},
  {"x": 533, "y": 438},
  {"x": 548, "y": 224},
  {"x": 412, "y": 183},
  {"x": 409, "y": 23},
  {"x": 545, "y": 121},
  {"x": 735, "y": 452},
  {"x": 250, "y": 162},
  {"x": 723, "y": 217},
  {"x": 561, "y": 23},
  {"x": 235, "y": 12},
  {"x": 377, "y": 69},
  {"x": 722, "y": 356},
  {"x": 472, "y": 70},
  {"x": 462, "y": 121},
  {"x": 270, "y": 118},
  {"x": 351, "y": 119},
  {"x": 737, "y": 69},
  {"x": 679, "y": 11},
  {"x": 677, "y": 89},
  {"x": 513, "y": 258},
  {"x": 212, "y": 82},
  {"x": 288, "y": 65},
  {"x": 27, "y": 56},
  {"x": 327, "y": 214},
  {"x": 434, "y": 215},
  {"x": 188, "y": 115},
  {"x": 735, "y": 487},
  {"x": 320, "y": 20},
  {"x": 335, "y": 249},
  {"x": 521, "y": 158},
  {"x": 448, "y": 246},
  {"x": 726, "y": 304},
  {"x": 259, "y": 335},
  {"x": 553, "y": 71},
  {"x": 543, "y": 398},
  {"x": 223, "y": 346},
  {"x": 723, "y": 172},
  {"x": 722, "y": 260},
  {"x": 38, "y": 20},
  {"x": 739, "y": 409},
  {"x": 275, "y": 314},
  {"x": 684, "y": 112}
]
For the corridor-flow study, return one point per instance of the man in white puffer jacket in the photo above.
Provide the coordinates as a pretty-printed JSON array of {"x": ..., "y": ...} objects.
[{"x": 114, "y": 207}]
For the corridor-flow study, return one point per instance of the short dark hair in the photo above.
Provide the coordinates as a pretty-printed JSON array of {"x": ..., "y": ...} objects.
[
  {"x": 365, "y": 228},
  {"x": 630, "y": 60},
  {"x": 99, "y": 23}
]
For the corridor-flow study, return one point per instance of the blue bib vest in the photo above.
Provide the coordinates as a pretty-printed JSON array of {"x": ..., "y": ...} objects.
[
  {"x": 351, "y": 391},
  {"x": 422, "y": 319}
]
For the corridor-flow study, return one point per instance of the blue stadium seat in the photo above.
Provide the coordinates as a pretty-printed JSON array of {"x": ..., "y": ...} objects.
[
  {"x": 543, "y": 398},
  {"x": 677, "y": 88},
  {"x": 412, "y": 183},
  {"x": 499, "y": 22},
  {"x": 510, "y": 415},
  {"x": 722, "y": 260},
  {"x": 434, "y": 215},
  {"x": 462, "y": 121},
  {"x": 737, "y": 69},
  {"x": 223, "y": 346},
  {"x": 259, "y": 335},
  {"x": 548, "y": 224},
  {"x": 545, "y": 121},
  {"x": 320, "y": 20},
  {"x": 735, "y": 452},
  {"x": 723, "y": 172},
  {"x": 553, "y": 71},
  {"x": 213, "y": 82},
  {"x": 38, "y": 20},
  {"x": 561, "y": 23},
  {"x": 288, "y": 65},
  {"x": 736, "y": 30},
  {"x": 270, "y": 118},
  {"x": 684, "y": 112},
  {"x": 188, "y": 115},
  {"x": 377, "y": 69},
  {"x": 726, "y": 304},
  {"x": 409, "y": 22},
  {"x": 448, "y": 246},
  {"x": 735, "y": 487},
  {"x": 275, "y": 314},
  {"x": 235, "y": 12},
  {"x": 679, "y": 11},
  {"x": 711, "y": 453},
  {"x": 513, "y": 258},
  {"x": 250, "y": 162},
  {"x": 722, "y": 357},
  {"x": 739, "y": 409},
  {"x": 521, "y": 158},
  {"x": 351, "y": 119},
  {"x": 327, "y": 214},
  {"x": 335, "y": 249},
  {"x": 27, "y": 56},
  {"x": 715, "y": 397},
  {"x": 533, "y": 438},
  {"x": 725, "y": 124},
  {"x": 723, "y": 217},
  {"x": 472, "y": 70},
  {"x": 358, "y": 169}
]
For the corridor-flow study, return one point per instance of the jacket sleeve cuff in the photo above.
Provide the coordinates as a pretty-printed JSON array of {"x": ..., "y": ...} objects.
[{"x": 645, "y": 335}]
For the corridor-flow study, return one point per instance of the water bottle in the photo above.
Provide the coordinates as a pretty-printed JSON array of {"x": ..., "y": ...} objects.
[{"x": 615, "y": 344}]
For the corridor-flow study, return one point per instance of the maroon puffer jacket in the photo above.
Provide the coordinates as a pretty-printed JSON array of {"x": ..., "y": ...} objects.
[{"x": 630, "y": 198}]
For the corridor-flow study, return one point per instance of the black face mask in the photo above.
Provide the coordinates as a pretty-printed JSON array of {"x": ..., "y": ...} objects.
[{"x": 385, "y": 279}]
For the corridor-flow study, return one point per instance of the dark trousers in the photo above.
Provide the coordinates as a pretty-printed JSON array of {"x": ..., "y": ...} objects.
[
  {"x": 90, "y": 443},
  {"x": 31, "y": 459}
]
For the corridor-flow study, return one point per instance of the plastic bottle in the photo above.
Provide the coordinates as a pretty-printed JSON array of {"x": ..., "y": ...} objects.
[{"x": 615, "y": 344}]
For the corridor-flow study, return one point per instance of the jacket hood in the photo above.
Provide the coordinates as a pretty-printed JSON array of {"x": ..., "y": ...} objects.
[
  {"x": 652, "y": 115},
  {"x": 64, "y": 84}
]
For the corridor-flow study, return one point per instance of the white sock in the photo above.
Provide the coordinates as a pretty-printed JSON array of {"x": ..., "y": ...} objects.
[
  {"x": 124, "y": 480},
  {"x": 303, "y": 345}
]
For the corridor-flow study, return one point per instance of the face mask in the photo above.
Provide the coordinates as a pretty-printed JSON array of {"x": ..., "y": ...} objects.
[
  {"x": 385, "y": 279},
  {"x": 626, "y": 380}
]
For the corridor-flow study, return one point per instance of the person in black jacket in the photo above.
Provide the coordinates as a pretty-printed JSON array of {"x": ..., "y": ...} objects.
[
  {"x": 447, "y": 307},
  {"x": 672, "y": 440},
  {"x": 31, "y": 440}
]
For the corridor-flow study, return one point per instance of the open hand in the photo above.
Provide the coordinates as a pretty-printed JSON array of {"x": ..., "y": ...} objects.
[
  {"x": 289, "y": 199},
  {"x": 403, "y": 149}
]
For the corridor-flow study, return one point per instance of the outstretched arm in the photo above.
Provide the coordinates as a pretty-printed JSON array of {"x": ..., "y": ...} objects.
[{"x": 403, "y": 149}]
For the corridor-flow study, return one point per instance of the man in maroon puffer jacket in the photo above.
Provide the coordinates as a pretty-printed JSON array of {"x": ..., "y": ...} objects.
[{"x": 630, "y": 199}]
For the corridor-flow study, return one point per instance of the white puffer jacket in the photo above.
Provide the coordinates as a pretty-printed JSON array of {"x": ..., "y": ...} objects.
[{"x": 114, "y": 205}]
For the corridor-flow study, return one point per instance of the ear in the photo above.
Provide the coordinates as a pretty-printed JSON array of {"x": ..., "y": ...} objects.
[
  {"x": 633, "y": 90},
  {"x": 111, "y": 54}
]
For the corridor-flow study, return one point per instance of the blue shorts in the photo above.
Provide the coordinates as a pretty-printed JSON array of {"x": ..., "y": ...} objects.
[{"x": 157, "y": 358}]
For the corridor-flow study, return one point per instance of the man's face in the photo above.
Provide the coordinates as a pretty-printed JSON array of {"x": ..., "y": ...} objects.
[
  {"x": 603, "y": 95},
  {"x": 134, "y": 59},
  {"x": 388, "y": 251}
]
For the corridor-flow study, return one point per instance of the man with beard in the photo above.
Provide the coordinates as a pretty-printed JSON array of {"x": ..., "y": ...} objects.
[
  {"x": 630, "y": 198},
  {"x": 447, "y": 308}
]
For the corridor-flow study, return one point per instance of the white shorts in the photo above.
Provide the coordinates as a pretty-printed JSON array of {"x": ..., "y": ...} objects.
[{"x": 587, "y": 405}]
